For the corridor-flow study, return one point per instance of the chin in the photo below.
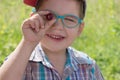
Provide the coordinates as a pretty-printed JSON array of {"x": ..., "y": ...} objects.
[{"x": 53, "y": 48}]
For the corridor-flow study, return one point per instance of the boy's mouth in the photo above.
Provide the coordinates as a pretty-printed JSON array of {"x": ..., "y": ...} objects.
[{"x": 55, "y": 37}]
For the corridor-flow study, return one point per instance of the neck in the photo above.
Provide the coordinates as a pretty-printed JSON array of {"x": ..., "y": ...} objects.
[{"x": 57, "y": 58}]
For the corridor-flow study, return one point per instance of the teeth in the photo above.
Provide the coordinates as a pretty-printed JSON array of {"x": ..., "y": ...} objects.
[{"x": 55, "y": 36}]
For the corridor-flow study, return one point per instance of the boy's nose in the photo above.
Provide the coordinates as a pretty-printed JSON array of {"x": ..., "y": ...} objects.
[{"x": 59, "y": 24}]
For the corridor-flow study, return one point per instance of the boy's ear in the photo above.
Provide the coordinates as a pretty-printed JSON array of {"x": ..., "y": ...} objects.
[{"x": 81, "y": 27}]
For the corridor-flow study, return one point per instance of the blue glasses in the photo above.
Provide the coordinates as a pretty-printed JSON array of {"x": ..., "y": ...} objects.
[{"x": 68, "y": 20}]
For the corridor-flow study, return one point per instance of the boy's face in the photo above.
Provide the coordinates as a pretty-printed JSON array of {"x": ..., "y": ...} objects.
[{"x": 59, "y": 37}]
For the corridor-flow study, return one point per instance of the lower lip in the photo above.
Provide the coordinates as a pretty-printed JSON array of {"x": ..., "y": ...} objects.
[{"x": 55, "y": 39}]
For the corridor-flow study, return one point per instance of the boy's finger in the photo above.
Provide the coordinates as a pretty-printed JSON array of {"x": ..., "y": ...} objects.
[
  {"x": 42, "y": 13},
  {"x": 37, "y": 25},
  {"x": 38, "y": 19},
  {"x": 28, "y": 22}
]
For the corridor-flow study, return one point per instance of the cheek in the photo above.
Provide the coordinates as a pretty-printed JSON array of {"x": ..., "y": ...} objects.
[{"x": 73, "y": 33}]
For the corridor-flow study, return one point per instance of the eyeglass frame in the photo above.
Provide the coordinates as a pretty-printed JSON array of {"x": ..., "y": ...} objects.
[{"x": 57, "y": 16}]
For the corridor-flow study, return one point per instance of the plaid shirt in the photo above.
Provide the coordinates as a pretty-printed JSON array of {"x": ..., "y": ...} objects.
[{"x": 78, "y": 67}]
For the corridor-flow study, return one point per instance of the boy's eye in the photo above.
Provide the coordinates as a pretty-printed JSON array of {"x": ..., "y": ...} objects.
[
  {"x": 68, "y": 19},
  {"x": 49, "y": 16}
]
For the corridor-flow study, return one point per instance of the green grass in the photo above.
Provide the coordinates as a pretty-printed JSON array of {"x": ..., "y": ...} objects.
[{"x": 100, "y": 38}]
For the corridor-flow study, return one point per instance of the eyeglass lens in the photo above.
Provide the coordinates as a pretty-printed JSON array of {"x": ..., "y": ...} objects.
[{"x": 70, "y": 21}]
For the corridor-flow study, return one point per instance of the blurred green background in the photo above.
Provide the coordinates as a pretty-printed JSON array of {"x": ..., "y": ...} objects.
[{"x": 100, "y": 38}]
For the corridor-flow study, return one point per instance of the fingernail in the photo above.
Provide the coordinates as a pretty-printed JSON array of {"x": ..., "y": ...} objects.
[{"x": 31, "y": 14}]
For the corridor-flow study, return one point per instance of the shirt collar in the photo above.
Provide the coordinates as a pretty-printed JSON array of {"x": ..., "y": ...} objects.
[
  {"x": 38, "y": 55},
  {"x": 74, "y": 57}
]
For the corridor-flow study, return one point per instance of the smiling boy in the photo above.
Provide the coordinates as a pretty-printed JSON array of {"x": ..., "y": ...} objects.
[{"x": 44, "y": 52}]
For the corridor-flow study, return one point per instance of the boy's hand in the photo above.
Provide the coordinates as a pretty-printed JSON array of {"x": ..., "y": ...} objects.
[{"x": 35, "y": 27}]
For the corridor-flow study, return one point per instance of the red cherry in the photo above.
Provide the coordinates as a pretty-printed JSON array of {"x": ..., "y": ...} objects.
[{"x": 49, "y": 16}]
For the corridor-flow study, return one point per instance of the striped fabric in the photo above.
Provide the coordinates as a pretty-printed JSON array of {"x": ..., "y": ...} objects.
[{"x": 78, "y": 67}]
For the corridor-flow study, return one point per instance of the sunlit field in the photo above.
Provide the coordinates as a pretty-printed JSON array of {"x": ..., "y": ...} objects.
[{"x": 100, "y": 38}]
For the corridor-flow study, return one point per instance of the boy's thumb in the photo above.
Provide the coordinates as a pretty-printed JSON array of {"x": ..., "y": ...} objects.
[{"x": 49, "y": 24}]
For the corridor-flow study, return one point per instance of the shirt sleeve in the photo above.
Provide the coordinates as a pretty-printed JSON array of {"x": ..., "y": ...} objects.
[{"x": 97, "y": 73}]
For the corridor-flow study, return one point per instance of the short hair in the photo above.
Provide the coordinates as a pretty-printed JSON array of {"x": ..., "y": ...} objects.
[{"x": 82, "y": 6}]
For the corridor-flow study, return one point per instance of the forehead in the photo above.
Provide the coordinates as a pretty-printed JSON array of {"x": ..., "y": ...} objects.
[{"x": 61, "y": 6}]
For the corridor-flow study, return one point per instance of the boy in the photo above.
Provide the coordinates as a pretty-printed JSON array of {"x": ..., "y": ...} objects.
[{"x": 44, "y": 52}]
